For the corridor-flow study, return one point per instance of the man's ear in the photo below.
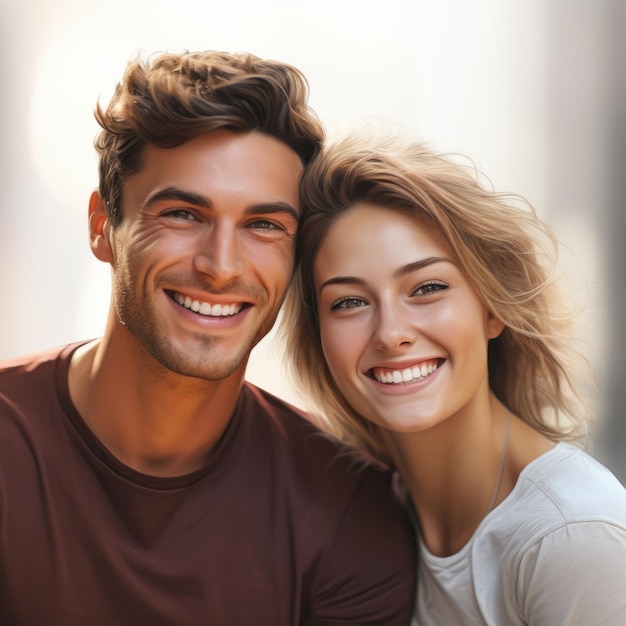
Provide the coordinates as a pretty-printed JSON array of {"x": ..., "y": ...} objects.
[
  {"x": 99, "y": 229},
  {"x": 494, "y": 326}
]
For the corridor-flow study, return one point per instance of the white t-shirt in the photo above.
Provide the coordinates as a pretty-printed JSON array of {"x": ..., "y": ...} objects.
[{"x": 552, "y": 553}]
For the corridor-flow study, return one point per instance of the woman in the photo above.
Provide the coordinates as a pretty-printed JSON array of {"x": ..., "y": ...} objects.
[{"x": 426, "y": 327}]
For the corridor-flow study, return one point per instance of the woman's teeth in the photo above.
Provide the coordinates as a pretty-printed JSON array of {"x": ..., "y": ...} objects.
[{"x": 407, "y": 375}]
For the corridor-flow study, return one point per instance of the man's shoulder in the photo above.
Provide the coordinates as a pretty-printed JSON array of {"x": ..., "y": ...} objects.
[
  {"x": 311, "y": 452},
  {"x": 26, "y": 362},
  {"x": 30, "y": 402},
  {"x": 29, "y": 367},
  {"x": 291, "y": 424},
  {"x": 338, "y": 493}
]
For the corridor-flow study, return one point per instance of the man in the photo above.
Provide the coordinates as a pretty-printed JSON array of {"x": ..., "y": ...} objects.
[{"x": 142, "y": 480}]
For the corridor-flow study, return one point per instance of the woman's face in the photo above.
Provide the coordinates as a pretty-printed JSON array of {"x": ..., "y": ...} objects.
[{"x": 404, "y": 333}]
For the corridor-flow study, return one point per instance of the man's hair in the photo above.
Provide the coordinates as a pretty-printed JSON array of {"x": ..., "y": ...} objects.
[
  {"x": 506, "y": 251},
  {"x": 168, "y": 99}
]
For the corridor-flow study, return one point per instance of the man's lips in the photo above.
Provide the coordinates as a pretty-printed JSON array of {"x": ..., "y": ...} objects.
[
  {"x": 393, "y": 376},
  {"x": 219, "y": 309}
]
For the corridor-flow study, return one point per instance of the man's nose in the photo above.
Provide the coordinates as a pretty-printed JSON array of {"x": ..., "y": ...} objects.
[{"x": 219, "y": 253}]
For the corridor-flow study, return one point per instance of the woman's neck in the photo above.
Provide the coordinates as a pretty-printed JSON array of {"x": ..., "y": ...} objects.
[{"x": 458, "y": 471}]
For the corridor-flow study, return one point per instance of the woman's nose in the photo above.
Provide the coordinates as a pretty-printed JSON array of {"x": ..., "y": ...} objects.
[{"x": 395, "y": 328}]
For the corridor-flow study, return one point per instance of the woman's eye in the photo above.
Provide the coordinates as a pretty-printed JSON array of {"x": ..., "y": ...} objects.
[
  {"x": 429, "y": 288},
  {"x": 348, "y": 303}
]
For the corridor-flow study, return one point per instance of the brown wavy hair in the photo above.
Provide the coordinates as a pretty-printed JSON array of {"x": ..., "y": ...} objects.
[
  {"x": 168, "y": 99},
  {"x": 506, "y": 251}
]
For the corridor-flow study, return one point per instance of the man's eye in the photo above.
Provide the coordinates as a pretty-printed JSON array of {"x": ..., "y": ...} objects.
[
  {"x": 181, "y": 214},
  {"x": 429, "y": 288},
  {"x": 263, "y": 225},
  {"x": 348, "y": 303}
]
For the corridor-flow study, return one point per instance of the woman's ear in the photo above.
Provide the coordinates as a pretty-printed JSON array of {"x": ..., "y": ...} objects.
[
  {"x": 494, "y": 326},
  {"x": 99, "y": 229}
]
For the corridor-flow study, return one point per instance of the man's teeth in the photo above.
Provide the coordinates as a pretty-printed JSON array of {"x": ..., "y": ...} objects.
[
  {"x": 407, "y": 375},
  {"x": 204, "y": 308}
]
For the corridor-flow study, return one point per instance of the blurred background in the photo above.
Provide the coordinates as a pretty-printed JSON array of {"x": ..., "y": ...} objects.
[{"x": 533, "y": 90}]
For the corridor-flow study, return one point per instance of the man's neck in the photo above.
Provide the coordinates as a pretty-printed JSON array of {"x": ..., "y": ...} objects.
[{"x": 156, "y": 422}]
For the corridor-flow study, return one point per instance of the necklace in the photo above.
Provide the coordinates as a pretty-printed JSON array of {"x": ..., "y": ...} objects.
[{"x": 505, "y": 444}]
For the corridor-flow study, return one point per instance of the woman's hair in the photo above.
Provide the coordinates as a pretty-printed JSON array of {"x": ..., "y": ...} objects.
[
  {"x": 505, "y": 250},
  {"x": 168, "y": 99}
]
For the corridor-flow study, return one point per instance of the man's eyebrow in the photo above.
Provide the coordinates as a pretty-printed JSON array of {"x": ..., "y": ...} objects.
[
  {"x": 267, "y": 208},
  {"x": 188, "y": 197},
  {"x": 399, "y": 273},
  {"x": 174, "y": 193}
]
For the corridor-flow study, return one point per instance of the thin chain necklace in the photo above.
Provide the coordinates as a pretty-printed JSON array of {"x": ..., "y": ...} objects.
[{"x": 505, "y": 445}]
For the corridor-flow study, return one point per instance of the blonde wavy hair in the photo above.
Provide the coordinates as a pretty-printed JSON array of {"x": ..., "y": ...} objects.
[
  {"x": 507, "y": 252},
  {"x": 167, "y": 99}
]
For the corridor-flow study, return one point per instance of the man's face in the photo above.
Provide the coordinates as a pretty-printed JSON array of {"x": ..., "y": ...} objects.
[{"x": 204, "y": 253}]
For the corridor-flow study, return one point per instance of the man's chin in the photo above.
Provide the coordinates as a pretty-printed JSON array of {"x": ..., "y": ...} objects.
[{"x": 206, "y": 364}]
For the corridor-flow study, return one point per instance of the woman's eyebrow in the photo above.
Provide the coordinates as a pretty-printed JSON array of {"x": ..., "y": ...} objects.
[
  {"x": 399, "y": 273},
  {"x": 342, "y": 280},
  {"x": 418, "y": 265}
]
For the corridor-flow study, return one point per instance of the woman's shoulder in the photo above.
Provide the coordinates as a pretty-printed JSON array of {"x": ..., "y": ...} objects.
[
  {"x": 573, "y": 560},
  {"x": 570, "y": 485},
  {"x": 563, "y": 488},
  {"x": 563, "y": 526}
]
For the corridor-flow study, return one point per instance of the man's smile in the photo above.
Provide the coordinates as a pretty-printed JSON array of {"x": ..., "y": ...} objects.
[{"x": 205, "y": 308}]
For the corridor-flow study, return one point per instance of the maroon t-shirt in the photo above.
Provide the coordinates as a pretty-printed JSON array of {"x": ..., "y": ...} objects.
[{"x": 279, "y": 528}]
